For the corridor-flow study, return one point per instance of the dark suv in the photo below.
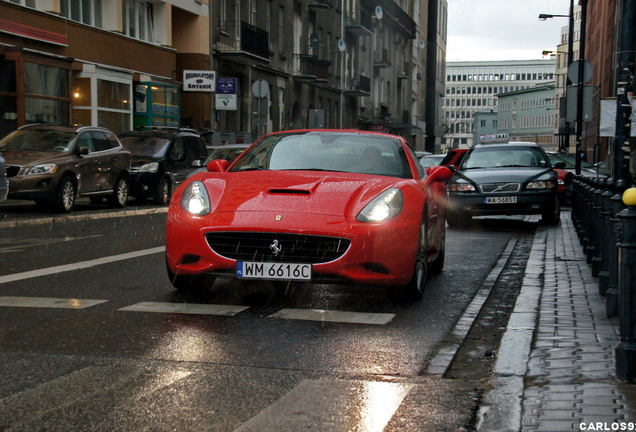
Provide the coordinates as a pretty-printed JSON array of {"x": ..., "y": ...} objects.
[
  {"x": 53, "y": 164},
  {"x": 162, "y": 158}
]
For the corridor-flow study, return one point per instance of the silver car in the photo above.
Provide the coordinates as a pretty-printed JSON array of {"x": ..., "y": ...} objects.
[{"x": 4, "y": 184}]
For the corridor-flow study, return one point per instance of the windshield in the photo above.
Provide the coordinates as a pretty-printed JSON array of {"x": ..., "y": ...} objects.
[
  {"x": 508, "y": 156},
  {"x": 229, "y": 154},
  {"x": 327, "y": 151},
  {"x": 145, "y": 146},
  {"x": 570, "y": 161},
  {"x": 38, "y": 140}
]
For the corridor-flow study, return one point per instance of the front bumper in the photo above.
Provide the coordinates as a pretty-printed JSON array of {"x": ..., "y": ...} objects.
[
  {"x": 377, "y": 254},
  {"x": 529, "y": 202}
]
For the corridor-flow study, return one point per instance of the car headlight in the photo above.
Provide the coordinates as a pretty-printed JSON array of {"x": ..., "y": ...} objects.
[
  {"x": 195, "y": 199},
  {"x": 461, "y": 187},
  {"x": 385, "y": 206},
  {"x": 43, "y": 169},
  {"x": 540, "y": 184},
  {"x": 151, "y": 167}
]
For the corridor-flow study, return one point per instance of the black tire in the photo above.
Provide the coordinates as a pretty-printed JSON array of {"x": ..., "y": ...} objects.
[
  {"x": 163, "y": 192},
  {"x": 437, "y": 266},
  {"x": 552, "y": 213},
  {"x": 190, "y": 284},
  {"x": 414, "y": 289},
  {"x": 65, "y": 194},
  {"x": 457, "y": 220},
  {"x": 119, "y": 197}
]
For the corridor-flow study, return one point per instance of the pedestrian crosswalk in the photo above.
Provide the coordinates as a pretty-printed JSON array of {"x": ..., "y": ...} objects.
[{"x": 350, "y": 317}]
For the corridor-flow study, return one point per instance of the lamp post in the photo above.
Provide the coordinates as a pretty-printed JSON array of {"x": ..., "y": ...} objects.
[{"x": 563, "y": 146}]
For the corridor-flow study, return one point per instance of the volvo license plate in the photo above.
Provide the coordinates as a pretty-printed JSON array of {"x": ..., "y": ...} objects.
[
  {"x": 501, "y": 200},
  {"x": 269, "y": 270}
]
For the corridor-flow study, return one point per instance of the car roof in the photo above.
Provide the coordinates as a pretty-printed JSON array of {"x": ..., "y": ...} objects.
[
  {"x": 508, "y": 144},
  {"x": 159, "y": 132},
  {"x": 62, "y": 128}
]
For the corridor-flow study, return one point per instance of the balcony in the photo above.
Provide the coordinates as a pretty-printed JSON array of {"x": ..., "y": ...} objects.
[
  {"x": 310, "y": 68},
  {"x": 320, "y": 4},
  {"x": 242, "y": 40},
  {"x": 359, "y": 87},
  {"x": 359, "y": 24}
]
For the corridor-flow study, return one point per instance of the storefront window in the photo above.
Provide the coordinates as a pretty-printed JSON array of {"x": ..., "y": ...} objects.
[
  {"x": 45, "y": 80},
  {"x": 156, "y": 105},
  {"x": 46, "y": 111},
  {"x": 113, "y": 94}
]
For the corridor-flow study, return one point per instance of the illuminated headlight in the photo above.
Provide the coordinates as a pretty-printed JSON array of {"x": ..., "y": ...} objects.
[
  {"x": 538, "y": 185},
  {"x": 383, "y": 207},
  {"x": 195, "y": 199},
  {"x": 43, "y": 169},
  {"x": 149, "y": 168},
  {"x": 461, "y": 187}
]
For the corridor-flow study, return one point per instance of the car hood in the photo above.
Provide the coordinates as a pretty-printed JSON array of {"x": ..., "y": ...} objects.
[
  {"x": 31, "y": 157},
  {"x": 142, "y": 160},
  {"x": 294, "y": 191},
  {"x": 508, "y": 175}
]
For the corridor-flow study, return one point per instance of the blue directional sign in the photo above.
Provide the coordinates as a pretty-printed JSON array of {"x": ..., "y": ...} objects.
[{"x": 226, "y": 85}]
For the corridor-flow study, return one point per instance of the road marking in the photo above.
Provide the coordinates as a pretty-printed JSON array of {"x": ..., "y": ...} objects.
[
  {"x": 17, "y": 245},
  {"x": 334, "y": 316},
  {"x": 332, "y": 406},
  {"x": 79, "y": 265},
  {"x": 185, "y": 308},
  {"x": 48, "y": 302}
]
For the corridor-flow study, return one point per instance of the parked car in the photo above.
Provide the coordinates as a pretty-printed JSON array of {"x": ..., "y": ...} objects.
[
  {"x": 227, "y": 152},
  {"x": 311, "y": 205},
  {"x": 162, "y": 158},
  {"x": 567, "y": 173},
  {"x": 430, "y": 160},
  {"x": 4, "y": 185},
  {"x": 52, "y": 165},
  {"x": 504, "y": 179}
]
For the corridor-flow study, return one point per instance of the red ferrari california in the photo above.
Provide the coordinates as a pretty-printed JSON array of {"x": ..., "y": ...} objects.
[{"x": 313, "y": 206}]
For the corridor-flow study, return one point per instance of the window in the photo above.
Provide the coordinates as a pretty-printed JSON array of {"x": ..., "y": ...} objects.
[
  {"x": 85, "y": 11},
  {"x": 46, "y": 94},
  {"x": 138, "y": 17}
]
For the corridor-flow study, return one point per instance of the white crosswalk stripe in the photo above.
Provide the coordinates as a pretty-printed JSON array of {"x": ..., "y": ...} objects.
[
  {"x": 48, "y": 302},
  {"x": 185, "y": 308}
]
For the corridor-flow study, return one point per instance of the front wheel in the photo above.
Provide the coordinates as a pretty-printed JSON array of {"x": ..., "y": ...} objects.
[
  {"x": 64, "y": 199},
  {"x": 414, "y": 289},
  {"x": 190, "y": 284},
  {"x": 552, "y": 214},
  {"x": 163, "y": 192}
]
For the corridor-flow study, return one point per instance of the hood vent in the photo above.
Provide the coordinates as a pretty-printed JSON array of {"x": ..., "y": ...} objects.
[{"x": 289, "y": 192}]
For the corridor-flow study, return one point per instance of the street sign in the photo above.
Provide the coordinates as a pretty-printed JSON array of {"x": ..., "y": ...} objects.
[
  {"x": 573, "y": 71},
  {"x": 226, "y": 102},
  {"x": 199, "y": 80},
  {"x": 572, "y": 99},
  {"x": 226, "y": 85},
  {"x": 260, "y": 88}
]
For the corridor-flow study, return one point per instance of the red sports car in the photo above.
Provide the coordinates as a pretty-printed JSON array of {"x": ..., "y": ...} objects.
[{"x": 311, "y": 205}]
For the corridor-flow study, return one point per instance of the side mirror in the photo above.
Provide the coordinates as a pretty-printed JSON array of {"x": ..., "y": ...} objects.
[
  {"x": 559, "y": 165},
  {"x": 438, "y": 173},
  {"x": 83, "y": 151},
  {"x": 217, "y": 165},
  {"x": 196, "y": 163}
]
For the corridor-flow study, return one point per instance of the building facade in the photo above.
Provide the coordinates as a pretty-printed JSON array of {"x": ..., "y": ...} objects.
[
  {"x": 474, "y": 86},
  {"x": 276, "y": 64}
]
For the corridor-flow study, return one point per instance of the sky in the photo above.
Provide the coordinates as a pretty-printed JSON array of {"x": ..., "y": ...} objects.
[{"x": 482, "y": 30}]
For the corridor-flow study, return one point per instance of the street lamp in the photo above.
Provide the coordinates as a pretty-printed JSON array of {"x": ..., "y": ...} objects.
[
  {"x": 543, "y": 17},
  {"x": 565, "y": 143}
]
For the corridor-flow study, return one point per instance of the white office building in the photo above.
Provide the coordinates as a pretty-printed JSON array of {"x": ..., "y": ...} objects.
[{"x": 473, "y": 87}]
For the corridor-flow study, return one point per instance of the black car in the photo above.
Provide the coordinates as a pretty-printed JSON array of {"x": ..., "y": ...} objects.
[
  {"x": 162, "y": 158},
  {"x": 504, "y": 179}
]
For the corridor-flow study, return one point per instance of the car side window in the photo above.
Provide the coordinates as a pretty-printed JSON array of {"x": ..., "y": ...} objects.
[
  {"x": 420, "y": 169},
  {"x": 192, "y": 150},
  {"x": 100, "y": 142},
  {"x": 178, "y": 150},
  {"x": 86, "y": 140}
]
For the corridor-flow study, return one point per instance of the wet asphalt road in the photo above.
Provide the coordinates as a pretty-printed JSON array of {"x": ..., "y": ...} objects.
[{"x": 109, "y": 366}]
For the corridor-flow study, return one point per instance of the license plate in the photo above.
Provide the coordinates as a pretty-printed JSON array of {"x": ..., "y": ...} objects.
[
  {"x": 268, "y": 270},
  {"x": 501, "y": 200}
]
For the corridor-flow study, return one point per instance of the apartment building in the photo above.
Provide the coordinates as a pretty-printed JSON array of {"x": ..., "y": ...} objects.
[
  {"x": 275, "y": 64},
  {"x": 474, "y": 86}
]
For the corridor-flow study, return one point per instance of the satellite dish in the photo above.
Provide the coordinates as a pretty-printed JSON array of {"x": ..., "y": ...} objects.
[
  {"x": 422, "y": 44},
  {"x": 341, "y": 45},
  {"x": 379, "y": 13}
]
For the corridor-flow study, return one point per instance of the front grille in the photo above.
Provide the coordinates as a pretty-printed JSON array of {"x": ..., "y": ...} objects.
[
  {"x": 261, "y": 246},
  {"x": 13, "y": 170},
  {"x": 500, "y": 187}
]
